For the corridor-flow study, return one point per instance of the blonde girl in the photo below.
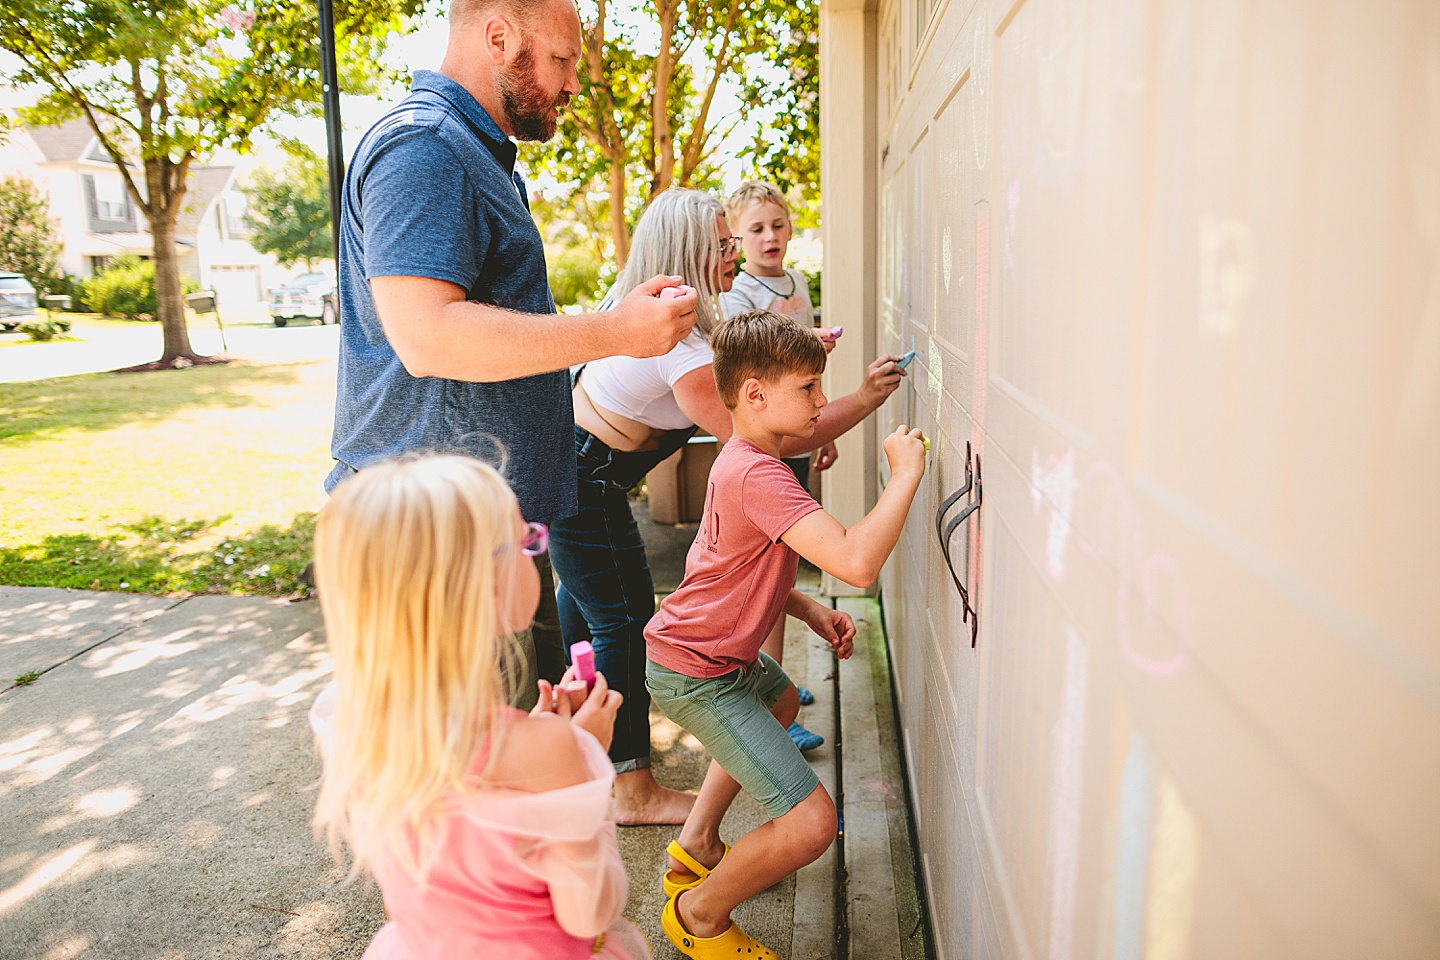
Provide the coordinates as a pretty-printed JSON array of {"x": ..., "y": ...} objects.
[{"x": 487, "y": 829}]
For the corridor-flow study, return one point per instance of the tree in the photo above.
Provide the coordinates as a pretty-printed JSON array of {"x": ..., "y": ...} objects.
[
  {"x": 786, "y": 150},
  {"x": 29, "y": 243},
  {"x": 289, "y": 212},
  {"x": 164, "y": 84},
  {"x": 645, "y": 120}
]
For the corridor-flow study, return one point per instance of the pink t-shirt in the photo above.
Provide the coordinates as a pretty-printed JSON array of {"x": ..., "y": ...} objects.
[
  {"x": 738, "y": 574},
  {"x": 523, "y": 876}
]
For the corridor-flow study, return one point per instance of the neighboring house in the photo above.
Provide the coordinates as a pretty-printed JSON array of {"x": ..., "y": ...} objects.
[
  {"x": 1172, "y": 271},
  {"x": 99, "y": 220}
]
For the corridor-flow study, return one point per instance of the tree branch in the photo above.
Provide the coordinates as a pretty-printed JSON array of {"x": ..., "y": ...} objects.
[{"x": 695, "y": 141}]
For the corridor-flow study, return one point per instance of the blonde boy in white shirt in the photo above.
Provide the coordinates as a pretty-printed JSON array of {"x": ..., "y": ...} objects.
[{"x": 760, "y": 217}]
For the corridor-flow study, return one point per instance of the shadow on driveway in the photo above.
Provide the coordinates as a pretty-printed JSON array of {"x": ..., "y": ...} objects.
[{"x": 156, "y": 792}]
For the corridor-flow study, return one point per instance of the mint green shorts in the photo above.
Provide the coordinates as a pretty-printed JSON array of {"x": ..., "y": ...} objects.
[{"x": 731, "y": 716}]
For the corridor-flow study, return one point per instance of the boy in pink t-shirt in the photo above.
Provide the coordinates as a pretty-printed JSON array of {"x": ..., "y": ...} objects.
[{"x": 705, "y": 668}]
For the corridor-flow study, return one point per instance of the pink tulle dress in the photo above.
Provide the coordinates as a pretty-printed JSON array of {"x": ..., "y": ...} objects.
[{"x": 500, "y": 887}]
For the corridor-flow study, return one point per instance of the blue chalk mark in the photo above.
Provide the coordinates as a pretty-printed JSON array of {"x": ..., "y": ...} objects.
[{"x": 1132, "y": 853}]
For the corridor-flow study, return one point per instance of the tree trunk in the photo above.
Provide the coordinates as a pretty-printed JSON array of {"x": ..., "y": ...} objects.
[
  {"x": 664, "y": 137},
  {"x": 169, "y": 303},
  {"x": 619, "y": 232}
]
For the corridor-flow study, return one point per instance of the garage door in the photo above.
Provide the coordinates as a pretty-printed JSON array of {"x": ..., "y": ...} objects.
[
  {"x": 239, "y": 291},
  {"x": 1172, "y": 270}
]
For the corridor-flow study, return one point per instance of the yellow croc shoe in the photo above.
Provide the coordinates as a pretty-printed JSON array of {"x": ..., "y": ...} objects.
[
  {"x": 672, "y": 882},
  {"x": 733, "y": 942}
]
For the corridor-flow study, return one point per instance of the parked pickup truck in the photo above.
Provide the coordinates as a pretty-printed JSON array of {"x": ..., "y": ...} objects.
[{"x": 310, "y": 295}]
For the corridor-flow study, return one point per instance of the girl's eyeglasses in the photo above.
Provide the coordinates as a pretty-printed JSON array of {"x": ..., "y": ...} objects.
[
  {"x": 534, "y": 541},
  {"x": 729, "y": 247}
]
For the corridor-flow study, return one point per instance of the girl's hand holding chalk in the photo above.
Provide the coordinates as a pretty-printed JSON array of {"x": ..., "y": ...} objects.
[
  {"x": 597, "y": 714},
  {"x": 582, "y": 655}
]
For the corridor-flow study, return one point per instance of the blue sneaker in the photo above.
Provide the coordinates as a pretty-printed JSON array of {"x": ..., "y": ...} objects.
[
  {"x": 806, "y": 697},
  {"x": 803, "y": 738}
]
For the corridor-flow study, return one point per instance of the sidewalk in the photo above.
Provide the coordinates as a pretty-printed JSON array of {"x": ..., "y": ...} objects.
[
  {"x": 156, "y": 783},
  {"x": 97, "y": 348}
]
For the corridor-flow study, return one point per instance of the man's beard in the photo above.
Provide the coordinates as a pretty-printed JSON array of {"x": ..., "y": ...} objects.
[{"x": 527, "y": 107}]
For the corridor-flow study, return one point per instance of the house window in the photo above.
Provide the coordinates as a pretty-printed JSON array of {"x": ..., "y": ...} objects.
[
  {"x": 231, "y": 211},
  {"x": 98, "y": 265},
  {"x": 109, "y": 199}
]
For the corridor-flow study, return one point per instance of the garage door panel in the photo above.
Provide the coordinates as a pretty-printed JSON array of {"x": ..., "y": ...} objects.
[{"x": 1164, "y": 600}]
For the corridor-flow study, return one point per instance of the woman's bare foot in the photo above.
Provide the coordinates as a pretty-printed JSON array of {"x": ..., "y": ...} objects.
[{"x": 640, "y": 800}]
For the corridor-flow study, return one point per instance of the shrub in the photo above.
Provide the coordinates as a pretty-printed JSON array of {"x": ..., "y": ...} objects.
[
  {"x": 72, "y": 287},
  {"x": 127, "y": 289},
  {"x": 574, "y": 277},
  {"x": 46, "y": 326}
]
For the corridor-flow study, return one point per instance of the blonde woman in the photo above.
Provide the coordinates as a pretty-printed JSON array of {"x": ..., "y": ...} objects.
[
  {"x": 488, "y": 830},
  {"x": 630, "y": 414}
]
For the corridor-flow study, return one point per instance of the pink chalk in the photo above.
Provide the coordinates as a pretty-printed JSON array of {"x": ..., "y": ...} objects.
[
  {"x": 582, "y": 654},
  {"x": 833, "y": 334},
  {"x": 671, "y": 293}
]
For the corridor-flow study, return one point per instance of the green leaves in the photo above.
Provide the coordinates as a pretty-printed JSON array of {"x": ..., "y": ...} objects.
[
  {"x": 625, "y": 139},
  {"x": 289, "y": 212},
  {"x": 187, "y": 77},
  {"x": 166, "y": 83}
]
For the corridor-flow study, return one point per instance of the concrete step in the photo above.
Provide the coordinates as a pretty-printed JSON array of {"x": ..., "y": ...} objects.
[{"x": 884, "y": 912}]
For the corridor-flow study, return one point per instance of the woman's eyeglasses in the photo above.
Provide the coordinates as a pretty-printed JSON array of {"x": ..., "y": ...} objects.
[
  {"x": 729, "y": 247},
  {"x": 534, "y": 541}
]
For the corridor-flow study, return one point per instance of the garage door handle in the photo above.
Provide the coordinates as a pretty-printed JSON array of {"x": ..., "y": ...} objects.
[{"x": 945, "y": 531}]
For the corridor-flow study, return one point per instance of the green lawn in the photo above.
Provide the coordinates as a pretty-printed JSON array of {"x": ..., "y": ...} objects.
[{"x": 198, "y": 480}]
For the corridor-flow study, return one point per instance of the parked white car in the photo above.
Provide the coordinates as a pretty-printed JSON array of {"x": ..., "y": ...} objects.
[{"x": 17, "y": 300}]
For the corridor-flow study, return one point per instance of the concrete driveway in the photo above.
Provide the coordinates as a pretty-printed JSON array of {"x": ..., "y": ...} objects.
[
  {"x": 156, "y": 782},
  {"x": 99, "y": 348}
]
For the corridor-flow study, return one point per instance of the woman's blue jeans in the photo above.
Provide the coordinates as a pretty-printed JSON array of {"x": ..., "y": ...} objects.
[{"x": 606, "y": 594}]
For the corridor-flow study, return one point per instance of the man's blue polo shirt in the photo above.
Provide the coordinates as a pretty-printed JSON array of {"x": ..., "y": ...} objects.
[{"x": 432, "y": 192}]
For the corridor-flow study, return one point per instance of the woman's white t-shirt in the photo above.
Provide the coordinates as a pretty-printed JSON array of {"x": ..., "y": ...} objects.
[{"x": 644, "y": 389}]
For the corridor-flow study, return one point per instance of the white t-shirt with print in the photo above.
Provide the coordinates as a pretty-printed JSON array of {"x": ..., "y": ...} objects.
[{"x": 788, "y": 295}]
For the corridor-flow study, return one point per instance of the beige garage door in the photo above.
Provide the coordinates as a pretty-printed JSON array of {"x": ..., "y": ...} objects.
[
  {"x": 239, "y": 291},
  {"x": 1172, "y": 270}
]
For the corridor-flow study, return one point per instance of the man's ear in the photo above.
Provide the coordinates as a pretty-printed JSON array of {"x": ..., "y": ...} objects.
[{"x": 499, "y": 37}]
